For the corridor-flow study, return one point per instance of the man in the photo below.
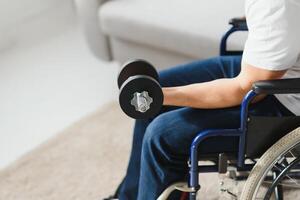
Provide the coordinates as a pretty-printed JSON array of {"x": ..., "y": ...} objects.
[{"x": 207, "y": 94}]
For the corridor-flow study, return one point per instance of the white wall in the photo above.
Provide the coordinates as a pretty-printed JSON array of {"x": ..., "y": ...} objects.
[
  {"x": 15, "y": 14},
  {"x": 16, "y": 11}
]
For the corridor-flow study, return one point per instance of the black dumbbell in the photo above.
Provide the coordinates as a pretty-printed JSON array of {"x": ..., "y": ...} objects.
[{"x": 140, "y": 94}]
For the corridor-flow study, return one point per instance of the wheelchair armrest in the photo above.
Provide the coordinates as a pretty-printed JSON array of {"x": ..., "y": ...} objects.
[
  {"x": 239, "y": 22},
  {"x": 279, "y": 86}
]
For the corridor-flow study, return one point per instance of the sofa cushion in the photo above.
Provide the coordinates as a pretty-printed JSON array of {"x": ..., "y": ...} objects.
[{"x": 189, "y": 27}]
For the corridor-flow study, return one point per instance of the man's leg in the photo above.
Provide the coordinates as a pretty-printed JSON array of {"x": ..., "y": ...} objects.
[
  {"x": 195, "y": 72},
  {"x": 168, "y": 137}
]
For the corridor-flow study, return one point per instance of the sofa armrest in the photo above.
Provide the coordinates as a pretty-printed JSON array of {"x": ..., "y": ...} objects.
[
  {"x": 87, "y": 10},
  {"x": 279, "y": 86}
]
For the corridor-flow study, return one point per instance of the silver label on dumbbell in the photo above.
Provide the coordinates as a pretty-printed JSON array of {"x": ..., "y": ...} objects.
[{"x": 141, "y": 101}]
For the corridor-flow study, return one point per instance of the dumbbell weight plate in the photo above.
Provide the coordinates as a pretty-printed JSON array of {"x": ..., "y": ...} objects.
[
  {"x": 136, "y": 67},
  {"x": 140, "y": 83}
]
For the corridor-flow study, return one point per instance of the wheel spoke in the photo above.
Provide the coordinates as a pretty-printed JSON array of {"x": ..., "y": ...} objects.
[
  {"x": 280, "y": 176},
  {"x": 292, "y": 153},
  {"x": 293, "y": 180}
]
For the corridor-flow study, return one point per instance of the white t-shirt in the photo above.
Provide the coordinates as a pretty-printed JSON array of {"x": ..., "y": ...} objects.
[{"x": 273, "y": 42}]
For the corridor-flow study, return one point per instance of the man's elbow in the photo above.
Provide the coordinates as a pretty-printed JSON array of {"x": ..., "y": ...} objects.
[{"x": 244, "y": 85}]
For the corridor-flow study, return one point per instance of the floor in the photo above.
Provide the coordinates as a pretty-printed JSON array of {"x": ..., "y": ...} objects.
[
  {"x": 48, "y": 80},
  {"x": 79, "y": 163}
]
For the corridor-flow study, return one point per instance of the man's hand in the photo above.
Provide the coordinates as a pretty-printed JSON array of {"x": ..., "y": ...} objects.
[{"x": 219, "y": 93}]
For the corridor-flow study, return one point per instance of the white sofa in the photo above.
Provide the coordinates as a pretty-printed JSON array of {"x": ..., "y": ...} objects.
[{"x": 164, "y": 32}]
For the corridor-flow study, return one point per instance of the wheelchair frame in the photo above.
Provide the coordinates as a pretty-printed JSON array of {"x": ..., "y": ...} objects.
[
  {"x": 237, "y": 25},
  {"x": 262, "y": 87},
  {"x": 240, "y": 133}
]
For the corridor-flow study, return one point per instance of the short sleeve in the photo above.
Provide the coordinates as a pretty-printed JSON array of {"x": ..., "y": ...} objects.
[{"x": 273, "y": 35}]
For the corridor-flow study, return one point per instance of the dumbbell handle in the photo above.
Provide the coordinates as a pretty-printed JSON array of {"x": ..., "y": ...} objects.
[{"x": 141, "y": 101}]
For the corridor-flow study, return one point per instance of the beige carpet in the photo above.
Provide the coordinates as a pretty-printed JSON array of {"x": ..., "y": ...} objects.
[{"x": 84, "y": 162}]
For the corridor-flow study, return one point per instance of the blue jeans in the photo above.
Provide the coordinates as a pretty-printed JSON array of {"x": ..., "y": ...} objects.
[{"x": 160, "y": 147}]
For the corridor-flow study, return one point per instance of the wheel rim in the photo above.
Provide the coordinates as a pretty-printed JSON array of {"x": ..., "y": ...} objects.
[{"x": 287, "y": 168}]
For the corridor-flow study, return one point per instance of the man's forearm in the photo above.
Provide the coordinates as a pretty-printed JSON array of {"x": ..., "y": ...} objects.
[
  {"x": 220, "y": 93},
  {"x": 214, "y": 94}
]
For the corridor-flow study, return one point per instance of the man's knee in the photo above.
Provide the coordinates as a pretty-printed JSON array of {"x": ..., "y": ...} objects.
[
  {"x": 154, "y": 133},
  {"x": 162, "y": 138},
  {"x": 165, "y": 78},
  {"x": 156, "y": 140}
]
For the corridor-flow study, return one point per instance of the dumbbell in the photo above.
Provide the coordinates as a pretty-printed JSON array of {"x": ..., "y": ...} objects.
[{"x": 140, "y": 94}]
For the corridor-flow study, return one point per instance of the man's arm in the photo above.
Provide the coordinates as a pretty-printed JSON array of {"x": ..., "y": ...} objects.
[
  {"x": 219, "y": 93},
  {"x": 270, "y": 54}
]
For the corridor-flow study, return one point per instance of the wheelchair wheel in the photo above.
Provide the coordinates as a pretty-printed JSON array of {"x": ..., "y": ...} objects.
[{"x": 276, "y": 175}]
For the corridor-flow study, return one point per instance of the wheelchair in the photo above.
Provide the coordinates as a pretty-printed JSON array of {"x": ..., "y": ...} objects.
[{"x": 267, "y": 147}]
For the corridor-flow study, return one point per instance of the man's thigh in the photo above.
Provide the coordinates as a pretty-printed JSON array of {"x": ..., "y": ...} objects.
[
  {"x": 176, "y": 129},
  {"x": 201, "y": 71}
]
